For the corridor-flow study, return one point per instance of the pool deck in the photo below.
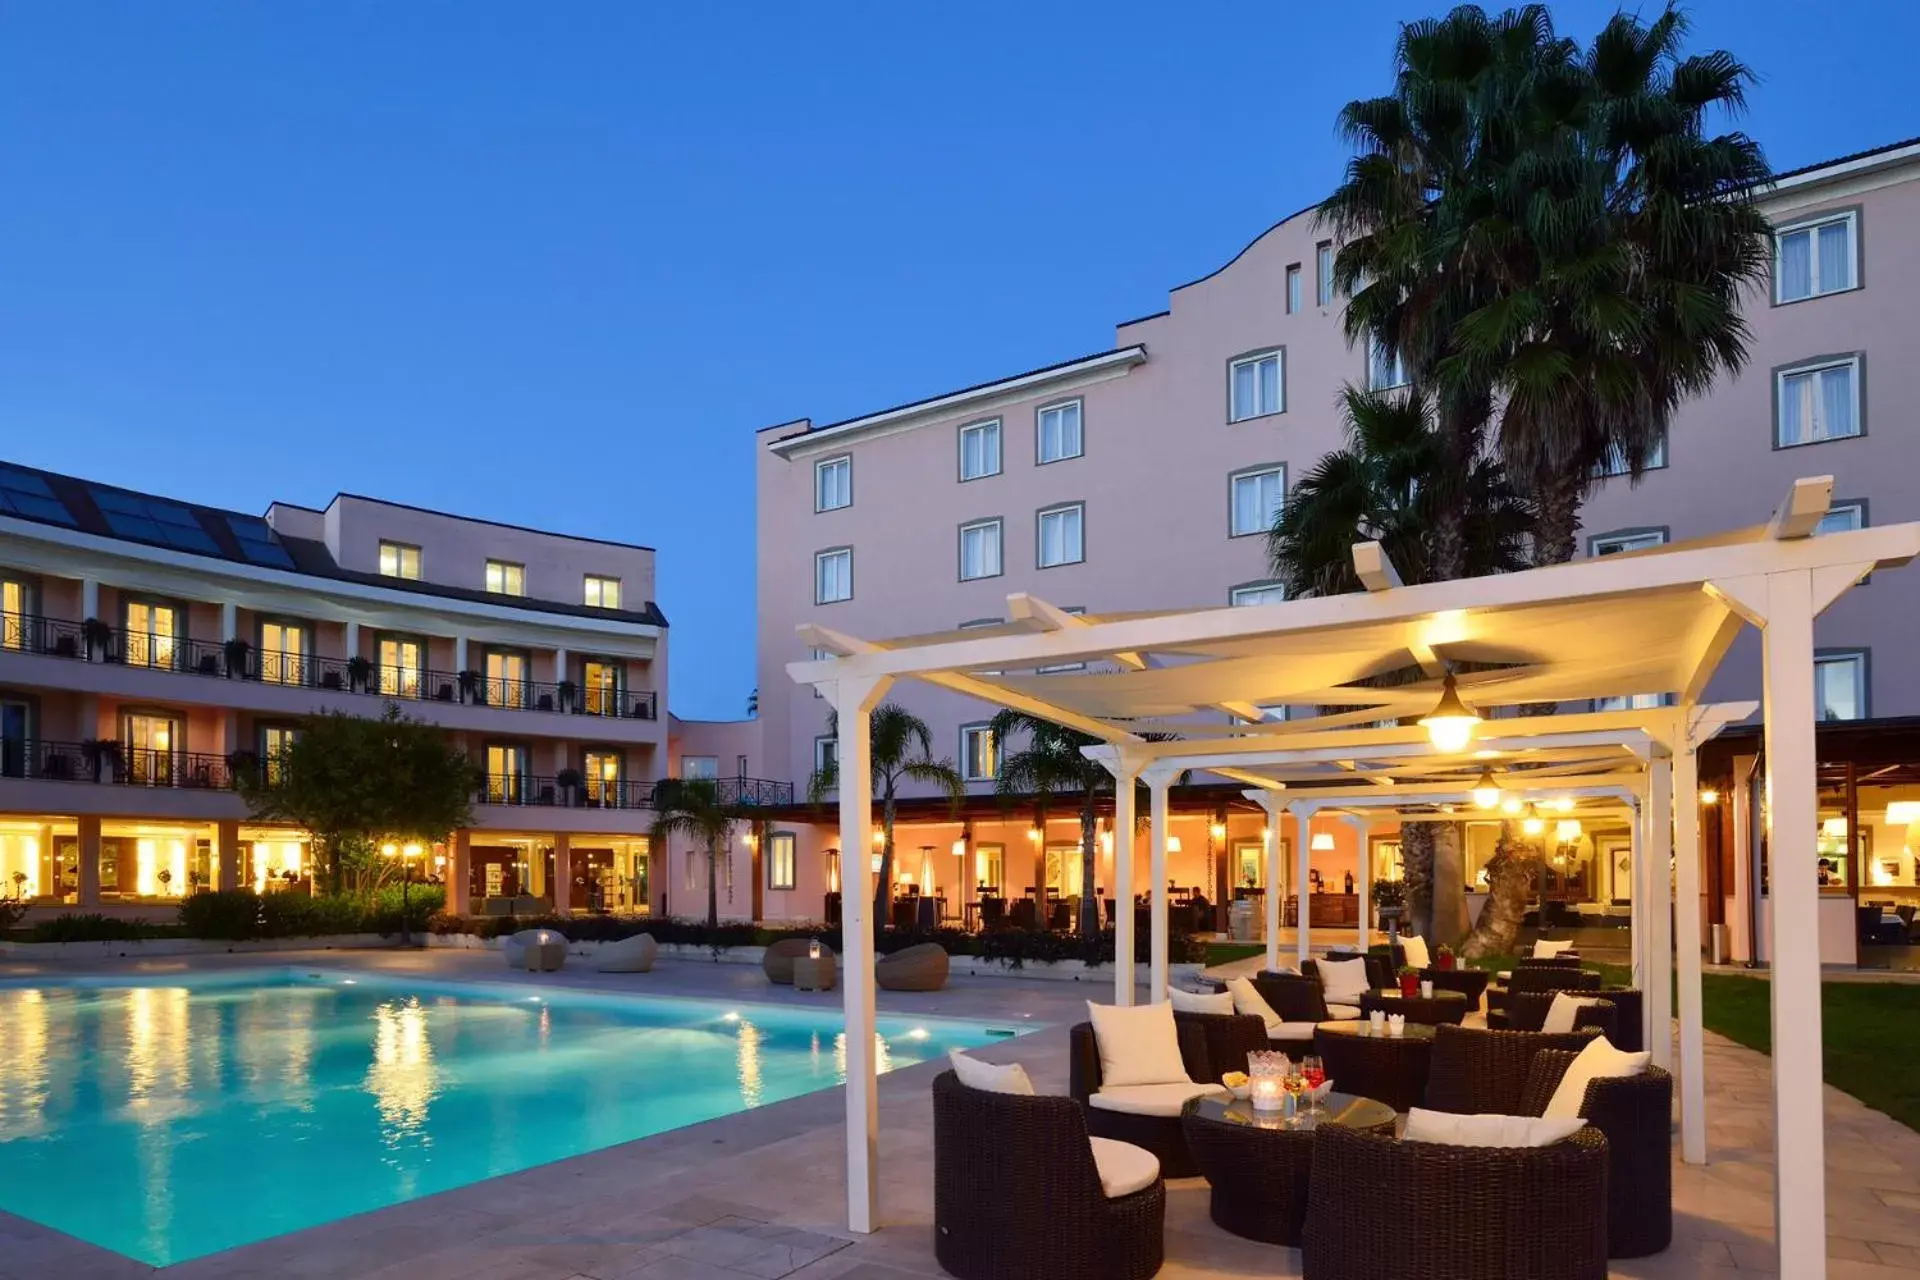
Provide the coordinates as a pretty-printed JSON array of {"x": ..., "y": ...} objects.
[{"x": 761, "y": 1194}]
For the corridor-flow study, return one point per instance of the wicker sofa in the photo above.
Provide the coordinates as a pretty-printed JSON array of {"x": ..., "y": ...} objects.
[
  {"x": 917, "y": 968},
  {"x": 1527, "y": 1011},
  {"x": 1159, "y": 1132},
  {"x": 1636, "y": 1115},
  {"x": 1017, "y": 1195},
  {"x": 1478, "y": 1072}
]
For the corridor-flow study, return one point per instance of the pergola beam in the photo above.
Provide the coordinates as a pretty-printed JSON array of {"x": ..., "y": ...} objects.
[{"x": 1804, "y": 507}]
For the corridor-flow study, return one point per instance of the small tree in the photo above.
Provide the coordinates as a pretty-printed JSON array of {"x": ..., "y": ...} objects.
[
  {"x": 693, "y": 807},
  {"x": 355, "y": 781},
  {"x": 1051, "y": 762}
]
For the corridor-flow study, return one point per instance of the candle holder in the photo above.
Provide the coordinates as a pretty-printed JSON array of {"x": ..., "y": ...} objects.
[
  {"x": 1426, "y": 988},
  {"x": 1397, "y": 1025},
  {"x": 1266, "y": 1076},
  {"x": 813, "y": 949}
]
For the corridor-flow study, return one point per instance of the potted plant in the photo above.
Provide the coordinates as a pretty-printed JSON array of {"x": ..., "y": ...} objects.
[
  {"x": 20, "y": 886},
  {"x": 241, "y": 765},
  {"x": 470, "y": 690},
  {"x": 237, "y": 651},
  {"x": 359, "y": 674},
  {"x": 1409, "y": 981},
  {"x": 1443, "y": 957},
  {"x": 98, "y": 636},
  {"x": 100, "y": 753},
  {"x": 165, "y": 877},
  {"x": 569, "y": 781},
  {"x": 568, "y": 692}
]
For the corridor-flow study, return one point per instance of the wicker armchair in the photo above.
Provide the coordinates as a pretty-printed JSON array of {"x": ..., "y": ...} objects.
[
  {"x": 1380, "y": 969},
  {"x": 1471, "y": 983},
  {"x": 1161, "y": 1135},
  {"x": 1476, "y": 1072},
  {"x": 1016, "y": 1195},
  {"x": 1629, "y": 1004},
  {"x": 1636, "y": 1115},
  {"x": 1229, "y": 1038},
  {"x": 1537, "y": 976},
  {"x": 1377, "y": 1206},
  {"x": 1296, "y": 997},
  {"x": 1527, "y": 1011},
  {"x": 917, "y": 968}
]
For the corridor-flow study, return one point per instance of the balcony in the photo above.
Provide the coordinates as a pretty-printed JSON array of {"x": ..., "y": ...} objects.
[
  {"x": 525, "y": 790},
  {"x": 116, "y": 780}
]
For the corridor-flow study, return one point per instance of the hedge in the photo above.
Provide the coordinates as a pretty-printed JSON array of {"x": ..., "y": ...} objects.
[{"x": 236, "y": 915}]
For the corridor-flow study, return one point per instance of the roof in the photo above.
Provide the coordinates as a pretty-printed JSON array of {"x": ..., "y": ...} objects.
[
  {"x": 1871, "y": 152},
  {"x": 237, "y": 537}
]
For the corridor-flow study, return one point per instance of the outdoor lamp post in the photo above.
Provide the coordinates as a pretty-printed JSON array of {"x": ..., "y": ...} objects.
[{"x": 406, "y": 853}]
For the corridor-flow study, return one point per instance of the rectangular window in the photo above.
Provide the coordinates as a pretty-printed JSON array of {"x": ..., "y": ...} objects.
[
  {"x": 1256, "y": 498},
  {"x": 1840, "y": 685},
  {"x": 153, "y": 634},
  {"x": 601, "y": 593},
  {"x": 401, "y": 667},
  {"x": 602, "y": 773},
  {"x": 1257, "y": 593},
  {"x": 1324, "y": 287},
  {"x": 507, "y": 774},
  {"x": 780, "y": 860},
  {"x": 284, "y": 649},
  {"x": 506, "y": 579},
  {"x": 1817, "y": 402},
  {"x": 398, "y": 560},
  {"x": 990, "y": 865},
  {"x": 150, "y": 746},
  {"x": 600, "y": 687},
  {"x": 1630, "y": 702},
  {"x": 980, "y": 550},
  {"x": 1059, "y": 432},
  {"x": 833, "y": 576},
  {"x": 1058, "y": 668},
  {"x": 833, "y": 483},
  {"x": 275, "y": 741},
  {"x": 1063, "y": 535},
  {"x": 13, "y": 614},
  {"x": 1293, "y": 288},
  {"x": 1812, "y": 258},
  {"x": 1384, "y": 373},
  {"x": 980, "y": 450},
  {"x": 826, "y": 754},
  {"x": 506, "y": 679},
  {"x": 1257, "y": 386},
  {"x": 1612, "y": 544},
  {"x": 979, "y": 756},
  {"x": 700, "y": 767},
  {"x": 1615, "y": 463}
]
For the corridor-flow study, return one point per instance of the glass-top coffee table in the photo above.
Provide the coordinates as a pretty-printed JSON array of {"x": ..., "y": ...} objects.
[
  {"x": 1441, "y": 1006},
  {"x": 1258, "y": 1165},
  {"x": 1391, "y": 1069}
]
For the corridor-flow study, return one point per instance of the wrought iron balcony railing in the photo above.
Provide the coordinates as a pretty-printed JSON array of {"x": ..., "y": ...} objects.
[{"x": 113, "y": 762}]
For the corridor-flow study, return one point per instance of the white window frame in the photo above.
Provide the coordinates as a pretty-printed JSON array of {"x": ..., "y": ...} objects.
[
  {"x": 593, "y": 591},
  {"x": 1621, "y": 541},
  {"x": 502, "y": 571},
  {"x": 1040, "y": 561},
  {"x": 998, "y": 528},
  {"x": 1078, "y": 405},
  {"x": 1257, "y": 358},
  {"x": 1855, "y": 507},
  {"x": 967, "y": 732},
  {"x": 1809, "y": 227},
  {"x": 783, "y": 861},
  {"x": 1856, "y": 382},
  {"x": 820, "y": 559},
  {"x": 1615, "y": 463},
  {"x": 986, "y": 428},
  {"x": 1279, "y": 471},
  {"x": 398, "y": 552},
  {"x": 1375, "y": 357},
  {"x": 826, "y": 744},
  {"x": 1631, "y": 702},
  {"x": 1076, "y": 610},
  {"x": 841, "y": 464},
  {"x": 1250, "y": 594},
  {"x": 700, "y": 773},
  {"x": 976, "y": 624},
  {"x": 1295, "y": 289},
  {"x": 1860, "y": 661},
  {"x": 1323, "y": 269}
]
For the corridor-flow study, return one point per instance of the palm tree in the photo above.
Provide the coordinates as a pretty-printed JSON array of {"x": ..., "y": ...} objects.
[
  {"x": 1051, "y": 762},
  {"x": 901, "y": 746},
  {"x": 693, "y": 807}
]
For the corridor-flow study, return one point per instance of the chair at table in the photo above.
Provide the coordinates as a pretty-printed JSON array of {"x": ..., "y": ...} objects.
[
  {"x": 1477, "y": 1072},
  {"x": 1636, "y": 1115},
  {"x": 1024, "y": 915},
  {"x": 993, "y": 912},
  {"x": 1527, "y": 1011},
  {"x": 1228, "y": 1037},
  {"x": 1152, "y": 1120}
]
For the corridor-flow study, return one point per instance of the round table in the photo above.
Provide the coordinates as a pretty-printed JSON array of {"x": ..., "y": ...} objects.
[
  {"x": 1471, "y": 983},
  {"x": 1441, "y": 1006},
  {"x": 1392, "y": 1069},
  {"x": 1258, "y": 1166}
]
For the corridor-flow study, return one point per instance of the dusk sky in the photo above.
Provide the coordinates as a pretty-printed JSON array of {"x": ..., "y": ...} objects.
[{"x": 553, "y": 264}]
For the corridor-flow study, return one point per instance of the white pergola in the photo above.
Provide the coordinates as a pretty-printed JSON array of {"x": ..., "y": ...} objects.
[{"x": 1166, "y": 693}]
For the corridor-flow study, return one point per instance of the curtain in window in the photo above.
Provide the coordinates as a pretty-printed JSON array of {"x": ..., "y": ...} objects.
[
  {"x": 1836, "y": 262},
  {"x": 1836, "y": 403},
  {"x": 1796, "y": 265},
  {"x": 1243, "y": 390},
  {"x": 1796, "y": 407},
  {"x": 1060, "y": 537},
  {"x": 1256, "y": 500},
  {"x": 1269, "y": 385}
]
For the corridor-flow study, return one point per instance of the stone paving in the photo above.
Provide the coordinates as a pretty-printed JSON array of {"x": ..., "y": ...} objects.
[{"x": 761, "y": 1194}]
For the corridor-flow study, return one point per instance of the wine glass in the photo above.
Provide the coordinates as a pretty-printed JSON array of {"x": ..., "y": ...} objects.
[
  {"x": 1295, "y": 1083},
  {"x": 1315, "y": 1072}
]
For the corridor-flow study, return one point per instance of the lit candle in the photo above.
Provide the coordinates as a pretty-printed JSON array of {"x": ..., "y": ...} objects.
[
  {"x": 1266, "y": 1073},
  {"x": 813, "y": 949}
]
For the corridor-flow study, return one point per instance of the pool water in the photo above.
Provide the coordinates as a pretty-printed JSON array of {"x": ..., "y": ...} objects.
[{"x": 171, "y": 1119}]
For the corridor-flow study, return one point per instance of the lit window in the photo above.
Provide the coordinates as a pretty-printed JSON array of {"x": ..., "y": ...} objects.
[
  {"x": 1257, "y": 496},
  {"x": 979, "y": 759},
  {"x": 833, "y": 483},
  {"x": 275, "y": 742},
  {"x": 153, "y": 634},
  {"x": 13, "y": 614},
  {"x": 707, "y": 767},
  {"x": 1059, "y": 432},
  {"x": 1631, "y": 702},
  {"x": 1062, "y": 535},
  {"x": 833, "y": 576},
  {"x": 602, "y": 593},
  {"x": 1615, "y": 463},
  {"x": 398, "y": 560},
  {"x": 826, "y": 754},
  {"x": 1293, "y": 288},
  {"x": 780, "y": 860},
  {"x": 506, "y": 579},
  {"x": 1612, "y": 544},
  {"x": 1812, "y": 258},
  {"x": 980, "y": 450},
  {"x": 1840, "y": 685},
  {"x": 506, "y": 679},
  {"x": 283, "y": 653},
  {"x": 1324, "y": 287},
  {"x": 1817, "y": 402},
  {"x": 980, "y": 550},
  {"x": 401, "y": 664},
  {"x": 1257, "y": 386},
  {"x": 1257, "y": 593},
  {"x": 1384, "y": 372}
]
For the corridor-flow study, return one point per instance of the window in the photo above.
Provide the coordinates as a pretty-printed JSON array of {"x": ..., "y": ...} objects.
[
  {"x": 149, "y": 746},
  {"x": 1612, "y": 544},
  {"x": 1062, "y": 535},
  {"x": 1630, "y": 702},
  {"x": 975, "y": 625},
  {"x": 700, "y": 767},
  {"x": 1256, "y": 386},
  {"x": 979, "y": 756},
  {"x": 506, "y": 579},
  {"x": 818, "y": 655},
  {"x": 1615, "y": 463},
  {"x": 1059, "y": 432},
  {"x": 155, "y": 520},
  {"x": 13, "y": 614},
  {"x": 1257, "y": 593},
  {"x": 258, "y": 543},
  {"x": 1056, "y": 669},
  {"x": 1324, "y": 286},
  {"x": 833, "y": 483},
  {"x": 833, "y": 575},
  {"x": 600, "y": 683},
  {"x": 980, "y": 450},
  {"x": 1817, "y": 402},
  {"x": 275, "y": 741},
  {"x": 602, "y": 593},
  {"x": 1293, "y": 288},
  {"x": 1813, "y": 258},
  {"x": 284, "y": 647},
  {"x": 1842, "y": 517},
  {"x": 401, "y": 664},
  {"x": 1255, "y": 500},
  {"x": 398, "y": 560},
  {"x": 990, "y": 864},
  {"x": 507, "y": 774},
  {"x": 506, "y": 679},
  {"x": 826, "y": 754},
  {"x": 780, "y": 860},
  {"x": 153, "y": 634},
  {"x": 602, "y": 773},
  {"x": 1840, "y": 685},
  {"x": 980, "y": 550},
  {"x": 1384, "y": 373}
]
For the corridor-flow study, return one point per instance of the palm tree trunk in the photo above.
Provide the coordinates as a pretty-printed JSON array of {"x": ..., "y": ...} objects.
[
  {"x": 1416, "y": 857},
  {"x": 1558, "y": 499},
  {"x": 1460, "y": 422},
  {"x": 1510, "y": 880},
  {"x": 883, "y": 889},
  {"x": 1089, "y": 893},
  {"x": 713, "y": 886}
]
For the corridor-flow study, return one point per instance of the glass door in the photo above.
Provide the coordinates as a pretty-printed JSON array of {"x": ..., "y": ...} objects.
[
  {"x": 507, "y": 679},
  {"x": 13, "y": 739},
  {"x": 275, "y": 741},
  {"x": 603, "y": 779},
  {"x": 400, "y": 666},
  {"x": 152, "y": 745},
  {"x": 284, "y": 651},
  {"x": 600, "y": 688},
  {"x": 13, "y": 615},
  {"x": 153, "y": 633},
  {"x": 506, "y": 774}
]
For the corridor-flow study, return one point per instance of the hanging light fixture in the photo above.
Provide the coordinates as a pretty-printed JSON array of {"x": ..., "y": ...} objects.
[
  {"x": 1486, "y": 792},
  {"x": 1567, "y": 830},
  {"x": 1533, "y": 824},
  {"x": 1709, "y": 796},
  {"x": 1450, "y": 724},
  {"x": 1511, "y": 805}
]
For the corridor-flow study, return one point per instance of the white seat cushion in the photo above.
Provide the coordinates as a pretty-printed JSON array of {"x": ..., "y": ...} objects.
[
  {"x": 1196, "y": 1002},
  {"x": 1505, "y": 975},
  {"x": 1448, "y": 1129},
  {"x": 1152, "y": 1099},
  {"x": 1343, "y": 1012},
  {"x": 1544, "y": 950},
  {"x": 1292, "y": 1032},
  {"x": 1138, "y": 1044},
  {"x": 1343, "y": 981},
  {"x": 1564, "y": 1009},
  {"x": 990, "y": 1077},
  {"x": 1247, "y": 1000},
  {"x": 1415, "y": 947},
  {"x": 1598, "y": 1061},
  {"x": 1124, "y": 1168}
]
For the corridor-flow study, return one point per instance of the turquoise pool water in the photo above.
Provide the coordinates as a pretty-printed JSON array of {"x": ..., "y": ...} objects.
[{"x": 169, "y": 1119}]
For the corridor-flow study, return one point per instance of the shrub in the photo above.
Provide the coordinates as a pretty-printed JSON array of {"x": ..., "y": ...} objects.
[
  {"x": 236, "y": 915},
  {"x": 94, "y": 927},
  {"x": 230, "y": 914}
]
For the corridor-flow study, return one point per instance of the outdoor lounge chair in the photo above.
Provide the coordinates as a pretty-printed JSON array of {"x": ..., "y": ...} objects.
[
  {"x": 1477, "y": 1072},
  {"x": 1229, "y": 1038},
  {"x": 1018, "y": 1194},
  {"x": 1527, "y": 1011},
  {"x": 917, "y": 968},
  {"x": 1153, "y": 1124},
  {"x": 628, "y": 955},
  {"x": 541, "y": 949},
  {"x": 1636, "y": 1115},
  {"x": 777, "y": 961},
  {"x": 1378, "y": 1206},
  {"x": 1540, "y": 975}
]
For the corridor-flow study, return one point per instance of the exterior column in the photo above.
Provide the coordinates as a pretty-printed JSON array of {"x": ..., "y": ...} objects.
[
  {"x": 1271, "y": 803},
  {"x": 226, "y": 854},
  {"x": 563, "y": 873},
  {"x": 1125, "y": 966},
  {"x": 1799, "y": 1116},
  {"x": 1157, "y": 863},
  {"x": 854, "y": 700},
  {"x": 460, "y": 873},
  {"x": 1746, "y": 948},
  {"x": 559, "y": 665},
  {"x": 1363, "y": 882},
  {"x": 89, "y": 833},
  {"x": 1302, "y": 854},
  {"x": 353, "y": 639},
  {"x": 1686, "y": 853},
  {"x": 1637, "y": 916},
  {"x": 229, "y": 621},
  {"x": 90, "y": 598},
  {"x": 1658, "y": 999},
  {"x": 459, "y": 654}
]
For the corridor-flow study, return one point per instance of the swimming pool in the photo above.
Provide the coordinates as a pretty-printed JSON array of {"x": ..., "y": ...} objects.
[{"x": 167, "y": 1119}]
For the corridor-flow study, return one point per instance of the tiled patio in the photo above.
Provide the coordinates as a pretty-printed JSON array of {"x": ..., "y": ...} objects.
[{"x": 760, "y": 1194}]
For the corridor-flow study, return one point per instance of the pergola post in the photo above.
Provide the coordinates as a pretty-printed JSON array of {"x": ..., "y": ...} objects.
[
  {"x": 1125, "y": 974},
  {"x": 1275, "y": 810},
  {"x": 1636, "y": 908},
  {"x": 1686, "y": 853},
  {"x": 1364, "y": 881},
  {"x": 853, "y": 702},
  {"x": 1658, "y": 917},
  {"x": 1302, "y": 844},
  {"x": 1157, "y": 781}
]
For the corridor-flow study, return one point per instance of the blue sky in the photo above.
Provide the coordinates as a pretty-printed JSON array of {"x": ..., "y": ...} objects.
[{"x": 555, "y": 263}]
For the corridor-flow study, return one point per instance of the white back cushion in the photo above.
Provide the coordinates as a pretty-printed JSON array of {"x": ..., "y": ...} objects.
[
  {"x": 1416, "y": 948},
  {"x": 1138, "y": 1045},
  {"x": 1343, "y": 981},
  {"x": 1196, "y": 1002},
  {"x": 1247, "y": 999},
  {"x": 1564, "y": 1009},
  {"x": 1448, "y": 1129},
  {"x": 1598, "y": 1061},
  {"x": 1544, "y": 950},
  {"x": 990, "y": 1077}
]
